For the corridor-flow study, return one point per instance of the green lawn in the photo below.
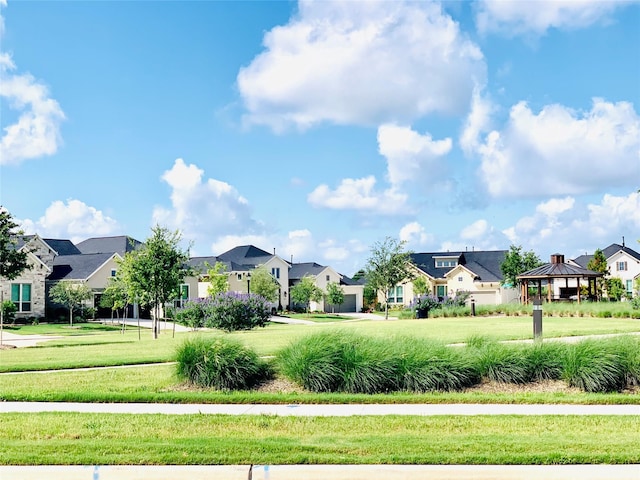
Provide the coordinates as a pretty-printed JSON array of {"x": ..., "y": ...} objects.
[
  {"x": 84, "y": 328},
  {"x": 113, "y": 348},
  {"x": 158, "y": 384},
  {"x": 110, "y": 439}
]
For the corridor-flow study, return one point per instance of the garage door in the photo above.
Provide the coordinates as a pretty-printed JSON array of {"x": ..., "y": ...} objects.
[{"x": 349, "y": 305}]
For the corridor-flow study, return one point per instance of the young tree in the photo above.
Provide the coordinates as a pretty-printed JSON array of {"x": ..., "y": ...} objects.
[
  {"x": 420, "y": 286},
  {"x": 388, "y": 266},
  {"x": 335, "y": 295},
  {"x": 153, "y": 273},
  {"x": 599, "y": 264},
  {"x": 70, "y": 294},
  {"x": 115, "y": 297},
  {"x": 615, "y": 289},
  {"x": 12, "y": 261},
  {"x": 264, "y": 284},
  {"x": 305, "y": 291},
  {"x": 517, "y": 262},
  {"x": 218, "y": 279}
]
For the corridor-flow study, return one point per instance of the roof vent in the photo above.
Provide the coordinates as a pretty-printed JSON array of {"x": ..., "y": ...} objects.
[{"x": 557, "y": 258}]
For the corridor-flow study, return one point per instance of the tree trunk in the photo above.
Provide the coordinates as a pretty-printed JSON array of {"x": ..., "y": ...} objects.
[
  {"x": 386, "y": 311},
  {"x": 70, "y": 315}
]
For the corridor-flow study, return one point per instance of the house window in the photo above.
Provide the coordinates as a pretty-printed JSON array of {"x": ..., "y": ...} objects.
[
  {"x": 328, "y": 278},
  {"x": 441, "y": 291},
  {"x": 460, "y": 279},
  {"x": 113, "y": 272},
  {"x": 629, "y": 287},
  {"x": 239, "y": 277},
  {"x": 21, "y": 296},
  {"x": 621, "y": 266},
  {"x": 275, "y": 272},
  {"x": 395, "y": 295},
  {"x": 184, "y": 296},
  {"x": 446, "y": 263}
]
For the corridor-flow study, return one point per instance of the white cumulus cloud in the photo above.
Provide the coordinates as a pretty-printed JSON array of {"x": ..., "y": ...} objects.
[
  {"x": 359, "y": 194},
  {"x": 364, "y": 63},
  {"x": 203, "y": 208},
  {"x": 560, "y": 151},
  {"x": 516, "y": 17},
  {"x": 73, "y": 220},
  {"x": 415, "y": 235},
  {"x": 409, "y": 154}
]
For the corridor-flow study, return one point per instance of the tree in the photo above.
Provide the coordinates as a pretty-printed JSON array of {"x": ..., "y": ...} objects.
[
  {"x": 153, "y": 273},
  {"x": 420, "y": 286},
  {"x": 335, "y": 295},
  {"x": 264, "y": 284},
  {"x": 218, "y": 279},
  {"x": 388, "y": 266},
  {"x": 70, "y": 294},
  {"x": 115, "y": 296},
  {"x": 599, "y": 264},
  {"x": 305, "y": 291},
  {"x": 516, "y": 262},
  {"x": 12, "y": 261},
  {"x": 615, "y": 289}
]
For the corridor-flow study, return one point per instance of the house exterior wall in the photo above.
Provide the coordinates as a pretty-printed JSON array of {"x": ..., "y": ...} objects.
[
  {"x": 35, "y": 277},
  {"x": 99, "y": 280},
  {"x": 632, "y": 268}
]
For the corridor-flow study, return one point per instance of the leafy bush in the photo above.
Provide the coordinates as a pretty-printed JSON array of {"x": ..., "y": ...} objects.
[
  {"x": 192, "y": 314},
  {"x": 9, "y": 310},
  {"x": 220, "y": 363},
  {"x": 237, "y": 311}
]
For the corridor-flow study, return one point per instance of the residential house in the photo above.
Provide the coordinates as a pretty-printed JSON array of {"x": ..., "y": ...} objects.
[
  {"x": 447, "y": 273},
  {"x": 623, "y": 262},
  {"x": 323, "y": 275}
]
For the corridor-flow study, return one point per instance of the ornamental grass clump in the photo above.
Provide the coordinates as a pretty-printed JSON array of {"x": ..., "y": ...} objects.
[
  {"x": 544, "y": 360},
  {"x": 220, "y": 363},
  {"x": 594, "y": 366},
  {"x": 427, "y": 366},
  {"x": 502, "y": 363}
]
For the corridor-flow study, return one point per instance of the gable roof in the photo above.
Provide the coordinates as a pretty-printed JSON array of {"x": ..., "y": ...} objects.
[
  {"x": 610, "y": 251},
  {"x": 485, "y": 264},
  {"x": 78, "y": 267},
  {"x": 299, "y": 270},
  {"x": 559, "y": 270},
  {"x": 59, "y": 246},
  {"x": 247, "y": 255},
  {"x": 120, "y": 244}
]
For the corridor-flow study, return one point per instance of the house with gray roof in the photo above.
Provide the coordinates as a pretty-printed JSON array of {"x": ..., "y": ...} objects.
[
  {"x": 623, "y": 262},
  {"x": 446, "y": 273}
]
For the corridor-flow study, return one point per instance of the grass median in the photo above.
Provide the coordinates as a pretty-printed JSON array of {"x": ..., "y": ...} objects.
[{"x": 113, "y": 439}]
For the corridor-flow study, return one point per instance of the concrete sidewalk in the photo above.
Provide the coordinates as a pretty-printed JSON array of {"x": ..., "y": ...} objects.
[
  {"x": 320, "y": 410},
  {"x": 324, "y": 472}
]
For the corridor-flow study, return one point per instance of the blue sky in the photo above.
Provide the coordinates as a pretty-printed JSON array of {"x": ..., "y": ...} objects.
[{"x": 319, "y": 128}]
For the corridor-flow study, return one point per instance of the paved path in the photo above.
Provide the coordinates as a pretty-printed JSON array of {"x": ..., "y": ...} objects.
[
  {"x": 299, "y": 410},
  {"x": 325, "y": 472}
]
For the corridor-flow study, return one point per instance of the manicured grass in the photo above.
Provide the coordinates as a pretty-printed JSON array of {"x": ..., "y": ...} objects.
[
  {"x": 159, "y": 384},
  {"x": 111, "y": 439},
  {"x": 320, "y": 317},
  {"x": 65, "y": 329},
  {"x": 117, "y": 349}
]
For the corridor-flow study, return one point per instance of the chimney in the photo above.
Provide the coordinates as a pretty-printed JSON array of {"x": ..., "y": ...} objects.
[
  {"x": 623, "y": 241},
  {"x": 557, "y": 258},
  {"x": 274, "y": 251}
]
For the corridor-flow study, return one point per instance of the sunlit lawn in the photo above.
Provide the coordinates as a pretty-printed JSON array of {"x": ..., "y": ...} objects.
[{"x": 111, "y": 439}]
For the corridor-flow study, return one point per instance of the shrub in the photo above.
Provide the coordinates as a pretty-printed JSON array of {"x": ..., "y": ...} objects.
[
  {"x": 594, "y": 367},
  {"x": 237, "y": 311},
  {"x": 424, "y": 366},
  {"x": 503, "y": 363},
  {"x": 545, "y": 360},
  {"x": 9, "y": 310},
  {"x": 192, "y": 314},
  {"x": 220, "y": 363}
]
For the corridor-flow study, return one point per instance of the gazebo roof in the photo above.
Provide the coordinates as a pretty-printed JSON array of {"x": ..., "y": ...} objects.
[{"x": 558, "y": 269}]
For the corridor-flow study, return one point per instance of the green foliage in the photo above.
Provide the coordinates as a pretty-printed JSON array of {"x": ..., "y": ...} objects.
[
  {"x": 335, "y": 294},
  {"x": 232, "y": 311},
  {"x": 70, "y": 294},
  {"x": 420, "y": 286},
  {"x": 9, "y": 310},
  {"x": 12, "y": 261},
  {"x": 115, "y": 295},
  {"x": 615, "y": 288},
  {"x": 305, "y": 291},
  {"x": 153, "y": 274},
  {"x": 264, "y": 284},
  {"x": 595, "y": 366},
  {"x": 193, "y": 313},
  {"x": 219, "y": 363},
  {"x": 218, "y": 279},
  {"x": 599, "y": 264},
  {"x": 516, "y": 262},
  {"x": 389, "y": 265}
]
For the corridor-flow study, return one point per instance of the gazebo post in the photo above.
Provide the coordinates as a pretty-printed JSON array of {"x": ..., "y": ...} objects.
[{"x": 549, "y": 288}]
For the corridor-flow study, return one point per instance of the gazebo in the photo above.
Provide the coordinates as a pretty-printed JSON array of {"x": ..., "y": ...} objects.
[{"x": 553, "y": 273}]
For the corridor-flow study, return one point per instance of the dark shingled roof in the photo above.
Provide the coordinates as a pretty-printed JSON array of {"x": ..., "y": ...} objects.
[
  {"x": 559, "y": 270},
  {"x": 62, "y": 247},
  {"x": 246, "y": 255},
  {"x": 202, "y": 264},
  {"x": 299, "y": 270},
  {"x": 583, "y": 260},
  {"x": 77, "y": 267},
  {"x": 120, "y": 245},
  {"x": 485, "y": 264}
]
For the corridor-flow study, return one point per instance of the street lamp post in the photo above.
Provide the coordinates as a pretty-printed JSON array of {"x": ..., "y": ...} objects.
[{"x": 248, "y": 282}]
